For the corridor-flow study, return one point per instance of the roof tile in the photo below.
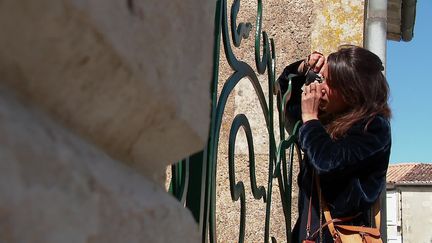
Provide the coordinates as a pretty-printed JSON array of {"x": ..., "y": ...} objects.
[{"x": 410, "y": 173}]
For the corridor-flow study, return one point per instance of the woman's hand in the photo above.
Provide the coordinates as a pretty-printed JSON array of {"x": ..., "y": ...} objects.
[
  {"x": 314, "y": 61},
  {"x": 310, "y": 101}
]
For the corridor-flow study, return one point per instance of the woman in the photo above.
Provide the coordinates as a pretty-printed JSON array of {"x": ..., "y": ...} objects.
[{"x": 345, "y": 135}]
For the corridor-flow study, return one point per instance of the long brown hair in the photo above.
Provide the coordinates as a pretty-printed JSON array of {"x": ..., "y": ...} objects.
[{"x": 356, "y": 74}]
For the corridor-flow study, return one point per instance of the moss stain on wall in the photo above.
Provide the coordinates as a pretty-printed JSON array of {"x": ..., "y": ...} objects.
[{"x": 337, "y": 22}]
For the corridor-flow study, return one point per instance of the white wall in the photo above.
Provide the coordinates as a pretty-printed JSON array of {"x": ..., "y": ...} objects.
[
  {"x": 393, "y": 217},
  {"x": 416, "y": 214}
]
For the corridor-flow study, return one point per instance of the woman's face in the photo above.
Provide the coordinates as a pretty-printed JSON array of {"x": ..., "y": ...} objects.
[{"x": 331, "y": 101}]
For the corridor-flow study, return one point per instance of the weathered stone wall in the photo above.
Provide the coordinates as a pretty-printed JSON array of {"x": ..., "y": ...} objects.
[{"x": 337, "y": 22}]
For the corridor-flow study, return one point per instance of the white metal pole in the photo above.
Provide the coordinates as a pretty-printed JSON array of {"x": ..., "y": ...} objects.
[{"x": 375, "y": 36}]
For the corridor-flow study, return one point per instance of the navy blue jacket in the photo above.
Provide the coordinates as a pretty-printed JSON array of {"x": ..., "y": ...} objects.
[{"x": 351, "y": 169}]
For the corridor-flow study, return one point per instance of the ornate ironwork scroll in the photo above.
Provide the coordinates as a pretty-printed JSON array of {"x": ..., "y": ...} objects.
[{"x": 195, "y": 186}]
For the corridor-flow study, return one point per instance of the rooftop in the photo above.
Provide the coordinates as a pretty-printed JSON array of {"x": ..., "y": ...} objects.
[
  {"x": 410, "y": 174},
  {"x": 401, "y": 19}
]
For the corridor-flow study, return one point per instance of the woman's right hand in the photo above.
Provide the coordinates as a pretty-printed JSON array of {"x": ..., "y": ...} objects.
[
  {"x": 310, "y": 101},
  {"x": 314, "y": 61}
]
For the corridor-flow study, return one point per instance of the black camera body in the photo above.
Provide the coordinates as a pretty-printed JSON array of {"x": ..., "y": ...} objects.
[{"x": 312, "y": 76}]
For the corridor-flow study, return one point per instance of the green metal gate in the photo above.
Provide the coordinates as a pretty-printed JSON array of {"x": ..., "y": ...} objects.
[{"x": 195, "y": 186}]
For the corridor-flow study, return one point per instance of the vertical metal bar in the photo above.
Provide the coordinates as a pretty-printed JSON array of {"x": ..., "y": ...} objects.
[{"x": 210, "y": 164}]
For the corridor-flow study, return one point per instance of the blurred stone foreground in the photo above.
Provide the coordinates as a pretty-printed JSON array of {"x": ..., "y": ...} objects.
[{"x": 97, "y": 97}]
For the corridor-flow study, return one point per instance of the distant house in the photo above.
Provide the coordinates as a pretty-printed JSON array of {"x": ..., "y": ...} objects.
[{"x": 409, "y": 203}]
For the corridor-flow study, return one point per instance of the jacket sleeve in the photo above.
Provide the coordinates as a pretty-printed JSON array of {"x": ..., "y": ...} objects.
[
  {"x": 330, "y": 157},
  {"x": 292, "y": 108}
]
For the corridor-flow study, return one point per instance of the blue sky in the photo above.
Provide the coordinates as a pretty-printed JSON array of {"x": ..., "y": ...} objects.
[{"x": 409, "y": 73}]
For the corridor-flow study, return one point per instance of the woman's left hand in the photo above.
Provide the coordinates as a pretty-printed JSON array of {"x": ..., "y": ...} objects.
[
  {"x": 310, "y": 101},
  {"x": 314, "y": 61}
]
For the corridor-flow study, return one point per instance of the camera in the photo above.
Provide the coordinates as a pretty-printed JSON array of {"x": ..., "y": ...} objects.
[{"x": 312, "y": 76}]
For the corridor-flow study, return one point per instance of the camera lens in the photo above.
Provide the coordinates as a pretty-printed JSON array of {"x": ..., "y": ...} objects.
[{"x": 311, "y": 76}]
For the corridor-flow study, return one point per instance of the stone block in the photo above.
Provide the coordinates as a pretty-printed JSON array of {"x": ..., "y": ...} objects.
[
  {"x": 56, "y": 188},
  {"x": 130, "y": 76}
]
